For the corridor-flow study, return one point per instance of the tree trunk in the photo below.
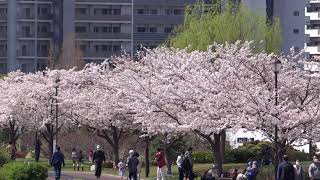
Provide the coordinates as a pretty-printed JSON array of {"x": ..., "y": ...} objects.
[
  {"x": 146, "y": 153},
  {"x": 37, "y": 147},
  {"x": 116, "y": 157},
  {"x": 310, "y": 150},
  {"x": 169, "y": 158},
  {"x": 223, "y": 145},
  {"x": 216, "y": 147},
  {"x": 112, "y": 137},
  {"x": 50, "y": 143}
]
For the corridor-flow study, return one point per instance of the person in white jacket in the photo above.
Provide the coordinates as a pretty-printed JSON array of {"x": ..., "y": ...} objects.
[{"x": 179, "y": 164}]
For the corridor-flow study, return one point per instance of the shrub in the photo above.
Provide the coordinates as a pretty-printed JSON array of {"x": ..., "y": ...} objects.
[
  {"x": 202, "y": 157},
  {"x": 108, "y": 164},
  {"x": 15, "y": 171},
  {"x": 20, "y": 154},
  {"x": 4, "y": 157}
]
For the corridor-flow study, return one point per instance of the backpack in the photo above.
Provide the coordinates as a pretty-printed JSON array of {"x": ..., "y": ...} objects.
[{"x": 287, "y": 172}]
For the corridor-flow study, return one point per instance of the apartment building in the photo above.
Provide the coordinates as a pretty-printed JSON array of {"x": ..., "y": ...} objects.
[
  {"x": 292, "y": 20},
  {"x": 99, "y": 28},
  {"x": 312, "y": 27},
  {"x": 102, "y": 28}
]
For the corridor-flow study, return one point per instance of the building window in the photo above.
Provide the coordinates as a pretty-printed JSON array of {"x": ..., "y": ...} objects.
[
  {"x": 83, "y": 47},
  {"x": 116, "y": 11},
  {"x": 168, "y": 29},
  {"x": 81, "y": 29},
  {"x": 44, "y": 29},
  {"x": 106, "y": 48},
  {"x": 116, "y": 29},
  {"x": 3, "y": 68},
  {"x": 107, "y": 29},
  {"x": 141, "y": 11},
  {"x": 296, "y": 13},
  {"x": 28, "y": 13},
  {"x": 168, "y": 12},
  {"x": 107, "y": 11},
  {"x": 153, "y": 11},
  {"x": 177, "y": 12},
  {"x": 24, "y": 50},
  {"x": 96, "y": 29},
  {"x": 26, "y": 31},
  {"x": 116, "y": 48},
  {"x": 141, "y": 29},
  {"x": 96, "y": 47},
  {"x": 81, "y": 11},
  {"x": 296, "y": 31},
  {"x": 153, "y": 29}
]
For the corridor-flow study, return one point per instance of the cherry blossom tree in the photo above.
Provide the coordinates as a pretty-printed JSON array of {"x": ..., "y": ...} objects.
[{"x": 95, "y": 100}]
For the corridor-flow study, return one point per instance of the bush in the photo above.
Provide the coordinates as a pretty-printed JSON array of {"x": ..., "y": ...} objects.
[
  {"x": 202, "y": 157},
  {"x": 20, "y": 154},
  {"x": 15, "y": 171},
  {"x": 4, "y": 157},
  {"x": 108, "y": 164}
]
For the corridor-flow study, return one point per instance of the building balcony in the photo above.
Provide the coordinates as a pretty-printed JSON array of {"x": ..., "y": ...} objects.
[
  {"x": 313, "y": 49},
  {"x": 313, "y": 32},
  {"x": 104, "y": 18},
  {"x": 45, "y": 17},
  {"x": 45, "y": 35},
  {"x": 103, "y": 36},
  {"x": 3, "y": 53},
  {"x": 157, "y": 19},
  {"x": 312, "y": 16}
]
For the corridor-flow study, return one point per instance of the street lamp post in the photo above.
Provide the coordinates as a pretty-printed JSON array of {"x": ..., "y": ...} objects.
[{"x": 276, "y": 70}]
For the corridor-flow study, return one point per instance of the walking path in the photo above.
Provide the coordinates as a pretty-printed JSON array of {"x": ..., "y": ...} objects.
[{"x": 66, "y": 175}]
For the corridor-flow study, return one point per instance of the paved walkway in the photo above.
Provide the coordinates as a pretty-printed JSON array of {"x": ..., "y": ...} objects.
[{"x": 66, "y": 175}]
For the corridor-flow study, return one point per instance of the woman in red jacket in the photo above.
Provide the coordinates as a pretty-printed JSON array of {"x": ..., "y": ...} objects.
[{"x": 161, "y": 164}]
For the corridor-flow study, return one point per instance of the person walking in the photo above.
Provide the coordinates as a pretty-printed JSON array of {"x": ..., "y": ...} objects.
[
  {"x": 285, "y": 170},
  {"x": 139, "y": 165},
  {"x": 252, "y": 170},
  {"x": 161, "y": 164},
  {"x": 74, "y": 158},
  {"x": 187, "y": 164},
  {"x": 57, "y": 161},
  {"x": 314, "y": 168},
  {"x": 132, "y": 164},
  {"x": 122, "y": 169},
  {"x": 80, "y": 158},
  {"x": 90, "y": 155},
  {"x": 179, "y": 164},
  {"x": 98, "y": 159},
  {"x": 298, "y": 171}
]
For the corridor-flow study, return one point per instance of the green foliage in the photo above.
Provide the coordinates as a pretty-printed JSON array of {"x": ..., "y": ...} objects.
[
  {"x": 235, "y": 23},
  {"x": 4, "y": 157},
  {"x": 202, "y": 157},
  {"x": 16, "y": 171},
  {"x": 108, "y": 164}
]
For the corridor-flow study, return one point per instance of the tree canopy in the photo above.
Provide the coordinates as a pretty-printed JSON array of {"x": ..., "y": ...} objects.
[{"x": 205, "y": 25}]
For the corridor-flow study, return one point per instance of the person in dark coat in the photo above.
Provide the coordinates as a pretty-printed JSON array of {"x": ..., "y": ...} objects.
[
  {"x": 98, "y": 159},
  {"x": 57, "y": 161},
  {"x": 285, "y": 170},
  {"x": 132, "y": 164}
]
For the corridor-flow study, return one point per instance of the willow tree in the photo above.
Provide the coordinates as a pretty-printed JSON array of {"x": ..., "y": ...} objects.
[{"x": 207, "y": 24}]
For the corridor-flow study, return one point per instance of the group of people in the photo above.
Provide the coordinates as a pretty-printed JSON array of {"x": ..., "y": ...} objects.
[
  {"x": 185, "y": 165},
  {"x": 77, "y": 159},
  {"x": 287, "y": 171},
  {"x": 57, "y": 161}
]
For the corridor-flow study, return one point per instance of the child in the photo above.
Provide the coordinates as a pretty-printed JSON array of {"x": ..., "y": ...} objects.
[{"x": 122, "y": 169}]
